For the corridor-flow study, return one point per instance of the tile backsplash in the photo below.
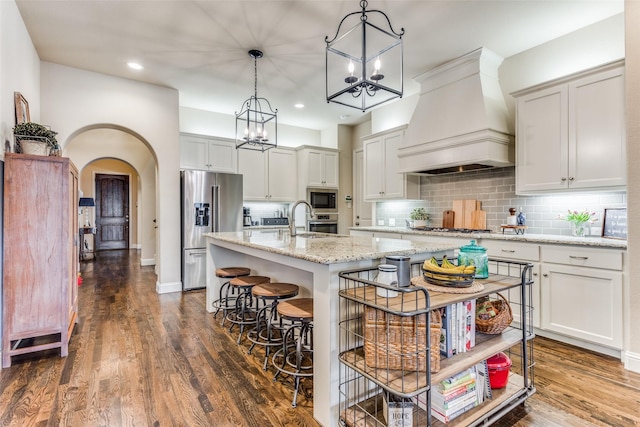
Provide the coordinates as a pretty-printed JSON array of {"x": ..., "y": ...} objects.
[{"x": 495, "y": 188}]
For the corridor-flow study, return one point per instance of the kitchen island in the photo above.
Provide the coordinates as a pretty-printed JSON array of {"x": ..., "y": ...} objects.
[{"x": 312, "y": 261}]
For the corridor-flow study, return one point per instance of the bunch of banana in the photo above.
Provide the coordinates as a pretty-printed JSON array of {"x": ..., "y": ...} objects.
[{"x": 447, "y": 271}]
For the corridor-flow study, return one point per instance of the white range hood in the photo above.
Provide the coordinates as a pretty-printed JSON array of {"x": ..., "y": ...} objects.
[{"x": 461, "y": 121}]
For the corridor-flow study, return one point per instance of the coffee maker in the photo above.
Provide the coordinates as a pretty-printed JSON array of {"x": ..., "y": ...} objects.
[{"x": 246, "y": 212}]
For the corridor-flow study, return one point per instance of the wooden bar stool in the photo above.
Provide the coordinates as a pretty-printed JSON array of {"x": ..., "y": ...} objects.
[
  {"x": 244, "y": 312},
  {"x": 227, "y": 302},
  {"x": 268, "y": 328},
  {"x": 295, "y": 358}
]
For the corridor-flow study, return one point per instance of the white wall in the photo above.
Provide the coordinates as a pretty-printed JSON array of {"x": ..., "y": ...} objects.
[
  {"x": 632, "y": 292},
  {"x": 73, "y": 100},
  {"x": 202, "y": 122},
  {"x": 19, "y": 69}
]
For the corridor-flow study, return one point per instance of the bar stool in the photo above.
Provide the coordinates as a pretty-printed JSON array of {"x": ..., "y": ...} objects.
[
  {"x": 295, "y": 358},
  {"x": 268, "y": 328},
  {"x": 223, "y": 303},
  {"x": 244, "y": 312}
]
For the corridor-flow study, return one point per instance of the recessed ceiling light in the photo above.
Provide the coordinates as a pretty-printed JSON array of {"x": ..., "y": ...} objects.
[
  {"x": 344, "y": 116},
  {"x": 299, "y": 105},
  {"x": 134, "y": 65}
]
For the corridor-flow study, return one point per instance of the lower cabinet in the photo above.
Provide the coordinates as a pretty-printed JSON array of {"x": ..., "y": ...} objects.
[{"x": 582, "y": 294}]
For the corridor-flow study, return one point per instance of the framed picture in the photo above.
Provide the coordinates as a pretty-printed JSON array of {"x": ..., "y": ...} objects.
[
  {"x": 22, "y": 108},
  {"x": 614, "y": 224}
]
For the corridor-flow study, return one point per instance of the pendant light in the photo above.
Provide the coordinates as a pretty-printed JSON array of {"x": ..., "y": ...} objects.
[
  {"x": 257, "y": 122},
  {"x": 364, "y": 61}
]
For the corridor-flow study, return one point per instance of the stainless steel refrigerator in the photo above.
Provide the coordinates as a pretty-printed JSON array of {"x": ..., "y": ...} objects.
[{"x": 210, "y": 202}]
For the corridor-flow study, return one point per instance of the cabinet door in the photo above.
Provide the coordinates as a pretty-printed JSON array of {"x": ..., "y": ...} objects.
[
  {"x": 283, "y": 183},
  {"x": 597, "y": 146},
  {"x": 193, "y": 152},
  {"x": 330, "y": 169},
  {"x": 253, "y": 167},
  {"x": 373, "y": 169},
  {"x": 582, "y": 303},
  {"x": 222, "y": 156},
  {"x": 393, "y": 181},
  {"x": 542, "y": 141},
  {"x": 315, "y": 175},
  {"x": 362, "y": 209}
]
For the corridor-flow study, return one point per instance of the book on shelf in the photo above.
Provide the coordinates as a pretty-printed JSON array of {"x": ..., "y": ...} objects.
[
  {"x": 446, "y": 418},
  {"x": 457, "y": 334},
  {"x": 455, "y": 393},
  {"x": 456, "y": 403}
]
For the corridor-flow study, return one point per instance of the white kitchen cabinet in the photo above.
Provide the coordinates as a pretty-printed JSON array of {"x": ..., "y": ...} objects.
[
  {"x": 318, "y": 167},
  {"x": 381, "y": 178},
  {"x": 571, "y": 133},
  {"x": 523, "y": 252},
  {"x": 207, "y": 153},
  {"x": 582, "y": 293},
  {"x": 268, "y": 176}
]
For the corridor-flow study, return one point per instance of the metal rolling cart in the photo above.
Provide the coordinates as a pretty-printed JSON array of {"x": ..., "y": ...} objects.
[{"x": 387, "y": 352}]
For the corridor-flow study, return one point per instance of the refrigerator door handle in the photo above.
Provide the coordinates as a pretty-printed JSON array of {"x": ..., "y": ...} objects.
[{"x": 215, "y": 211}]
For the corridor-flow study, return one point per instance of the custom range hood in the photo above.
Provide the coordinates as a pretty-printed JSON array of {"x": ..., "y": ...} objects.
[{"x": 461, "y": 121}]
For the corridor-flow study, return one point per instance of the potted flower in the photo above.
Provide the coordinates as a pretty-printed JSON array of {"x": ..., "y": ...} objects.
[
  {"x": 579, "y": 220},
  {"x": 34, "y": 138},
  {"x": 419, "y": 217}
]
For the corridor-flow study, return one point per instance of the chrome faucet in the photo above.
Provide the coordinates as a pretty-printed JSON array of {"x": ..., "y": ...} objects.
[{"x": 292, "y": 217}]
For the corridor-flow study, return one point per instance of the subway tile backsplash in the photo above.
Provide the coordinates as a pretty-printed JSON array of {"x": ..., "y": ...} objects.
[{"x": 495, "y": 188}]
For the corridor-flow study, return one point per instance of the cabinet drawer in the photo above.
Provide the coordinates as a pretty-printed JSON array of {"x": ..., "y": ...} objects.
[
  {"x": 512, "y": 250},
  {"x": 609, "y": 259}
]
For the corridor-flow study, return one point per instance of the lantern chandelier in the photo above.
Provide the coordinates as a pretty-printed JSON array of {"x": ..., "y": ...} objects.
[
  {"x": 364, "y": 63},
  {"x": 257, "y": 122}
]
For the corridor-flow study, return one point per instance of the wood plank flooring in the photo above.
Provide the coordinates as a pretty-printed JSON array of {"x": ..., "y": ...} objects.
[{"x": 142, "y": 359}]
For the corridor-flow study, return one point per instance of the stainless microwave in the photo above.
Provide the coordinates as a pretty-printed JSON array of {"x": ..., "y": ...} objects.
[{"x": 323, "y": 199}]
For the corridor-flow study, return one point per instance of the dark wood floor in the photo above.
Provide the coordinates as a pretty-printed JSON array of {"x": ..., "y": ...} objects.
[{"x": 141, "y": 359}]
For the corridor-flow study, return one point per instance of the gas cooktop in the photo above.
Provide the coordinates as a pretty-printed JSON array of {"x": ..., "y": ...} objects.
[{"x": 451, "y": 230}]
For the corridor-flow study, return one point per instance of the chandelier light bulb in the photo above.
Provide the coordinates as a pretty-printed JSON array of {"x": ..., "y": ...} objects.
[
  {"x": 376, "y": 66},
  {"x": 351, "y": 68}
]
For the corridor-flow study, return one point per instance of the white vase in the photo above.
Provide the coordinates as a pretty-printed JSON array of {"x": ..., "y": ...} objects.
[
  {"x": 34, "y": 147},
  {"x": 419, "y": 223}
]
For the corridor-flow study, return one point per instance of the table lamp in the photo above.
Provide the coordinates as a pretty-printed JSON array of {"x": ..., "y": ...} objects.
[{"x": 85, "y": 203}]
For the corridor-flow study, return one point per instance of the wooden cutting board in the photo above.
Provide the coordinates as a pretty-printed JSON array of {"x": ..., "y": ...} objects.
[
  {"x": 478, "y": 220},
  {"x": 458, "y": 209},
  {"x": 448, "y": 219},
  {"x": 469, "y": 208}
]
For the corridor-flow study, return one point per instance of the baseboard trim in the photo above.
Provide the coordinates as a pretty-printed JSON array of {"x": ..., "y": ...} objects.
[
  {"x": 631, "y": 361},
  {"x": 135, "y": 246},
  {"x": 147, "y": 261},
  {"x": 165, "y": 288},
  {"x": 580, "y": 343}
]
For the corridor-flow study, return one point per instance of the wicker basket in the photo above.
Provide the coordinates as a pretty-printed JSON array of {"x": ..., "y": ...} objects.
[
  {"x": 500, "y": 321},
  {"x": 400, "y": 342}
]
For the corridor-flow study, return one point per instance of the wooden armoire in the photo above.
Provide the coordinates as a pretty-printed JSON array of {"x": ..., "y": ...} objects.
[{"x": 40, "y": 271}]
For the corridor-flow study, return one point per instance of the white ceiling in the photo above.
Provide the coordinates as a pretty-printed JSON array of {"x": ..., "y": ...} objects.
[{"x": 200, "y": 47}]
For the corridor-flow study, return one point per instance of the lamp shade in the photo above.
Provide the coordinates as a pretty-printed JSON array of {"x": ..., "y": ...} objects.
[{"x": 87, "y": 201}]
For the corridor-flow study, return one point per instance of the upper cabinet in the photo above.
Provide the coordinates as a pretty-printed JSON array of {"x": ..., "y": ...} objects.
[
  {"x": 318, "y": 167},
  {"x": 266, "y": 176},
  {"x": 571, "y": 133},
  {"x": 381, "y": 178},
  {"x": 207, "y": 153}
]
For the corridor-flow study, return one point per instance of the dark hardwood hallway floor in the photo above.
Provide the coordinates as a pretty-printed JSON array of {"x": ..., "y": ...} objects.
[{"x": 142, "y": 359}]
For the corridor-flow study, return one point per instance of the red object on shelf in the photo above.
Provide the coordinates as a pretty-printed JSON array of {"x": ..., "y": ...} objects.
[{"x": 499, "y": 367}]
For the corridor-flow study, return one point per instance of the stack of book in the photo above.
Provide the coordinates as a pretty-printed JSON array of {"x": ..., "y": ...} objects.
[{"x": 458, "y": 332}]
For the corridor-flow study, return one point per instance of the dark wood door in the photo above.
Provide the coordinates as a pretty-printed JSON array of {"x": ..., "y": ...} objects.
[{"x": 112, "y": 212}]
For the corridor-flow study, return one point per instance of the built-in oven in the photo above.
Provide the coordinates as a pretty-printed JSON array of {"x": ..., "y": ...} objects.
[
  {"x": 322, "y": 200},
  {"x": 323, "y": 224}
]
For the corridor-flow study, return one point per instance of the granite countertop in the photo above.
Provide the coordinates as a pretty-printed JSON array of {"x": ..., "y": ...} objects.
[
  {"x": 324, "y": 248},
  {"x": 531, "y": 238}
]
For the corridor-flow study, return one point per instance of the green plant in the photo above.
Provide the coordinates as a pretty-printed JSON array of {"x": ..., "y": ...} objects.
[
  {"x": 419, "y": 214},
  {"x": 22, "y": 130}
]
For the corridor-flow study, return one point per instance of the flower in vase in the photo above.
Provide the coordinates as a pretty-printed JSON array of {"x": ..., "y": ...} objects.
[{"x": 578, "y": 220}]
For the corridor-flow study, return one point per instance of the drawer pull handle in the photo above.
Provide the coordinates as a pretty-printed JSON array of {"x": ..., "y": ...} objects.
[
  {"x": 510, "y": 251},
  {"x": 579, "y": 257}
]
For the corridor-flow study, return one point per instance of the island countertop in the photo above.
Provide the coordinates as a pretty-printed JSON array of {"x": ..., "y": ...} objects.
[{"x": 324, "y": 248}]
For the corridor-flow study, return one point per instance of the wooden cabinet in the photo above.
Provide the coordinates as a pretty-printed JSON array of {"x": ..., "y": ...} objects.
[
  {"x": 571, "y": 133},
  {"x": 40, "y": 292},
  {"x": 582, "y": 293},
  {"x": 207, "y": 153},
  {"x": 318, "y": 168},
  {"x": 268, "y": 176},
  {"x": 381, "y": 178}
]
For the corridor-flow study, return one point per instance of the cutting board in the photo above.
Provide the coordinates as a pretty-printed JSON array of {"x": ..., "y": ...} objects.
[
  {"x": 448, "y": 219},
  {"x": 478, "y": 220},
  {"x": 463, "y": 210},
  {"x": 458, "y": 209}
]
